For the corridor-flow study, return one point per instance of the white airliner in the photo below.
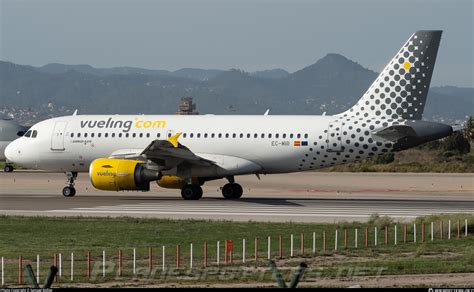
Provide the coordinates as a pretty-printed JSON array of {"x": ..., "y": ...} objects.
[{"x": 127, "y": 152}]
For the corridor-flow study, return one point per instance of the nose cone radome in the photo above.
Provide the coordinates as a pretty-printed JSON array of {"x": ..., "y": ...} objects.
[{"x": 11, "y": 152}]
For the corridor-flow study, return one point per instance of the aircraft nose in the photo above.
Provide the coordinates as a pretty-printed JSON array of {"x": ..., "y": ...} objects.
[{"x": 11, "y": 152}]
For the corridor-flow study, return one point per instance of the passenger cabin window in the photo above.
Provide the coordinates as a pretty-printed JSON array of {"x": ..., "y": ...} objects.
[
  {"x": 227, "y": 135},
  {"x": 184, "y": 135},
  {"x": 99, "y": 135},
  {"x": 158, "y": 135},
  {"x": 199, "y": 135},
  {"x": 141, "y": 135},
  {"x": 148, "y": 135},
  {"x": 284, "y": 136},
  {"x": 205, "y": 135},
  {"x": 298, "y": 136},
  {"x": 126, "y": 135},
  {"x": 190, "y": 135},
  {"x": 105, "y": 135},
  {"x": 72, "y": 135},
  {"x": 113, "y": 135},
  {"x": 248, "y": 135},
  {"x": 213, "y": 135},
  {"x": 134, "y": 135},
  {"x": 85, "y": 135},
  {"x": 277, "y": 135},
  {"x": 220, "y": 135},
  {"x": 263, "y": 136},
  {"x": 120, "y": 135},
  {"x": 291, "y": 136},
  {"x": 78, "y": 135}
]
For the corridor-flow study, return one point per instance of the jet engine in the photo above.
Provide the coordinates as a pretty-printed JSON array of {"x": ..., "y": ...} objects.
[
  {"x": 176, "y": 182},
  {"x": 171, "y": 182},
  {"x": 121, "y": 175}
]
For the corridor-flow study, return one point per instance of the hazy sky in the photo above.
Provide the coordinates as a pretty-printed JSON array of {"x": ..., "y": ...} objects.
[{"x": 250, "y": 35}]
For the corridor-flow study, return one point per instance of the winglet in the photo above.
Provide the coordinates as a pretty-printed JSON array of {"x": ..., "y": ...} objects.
[{"x": 174, "y": 139}]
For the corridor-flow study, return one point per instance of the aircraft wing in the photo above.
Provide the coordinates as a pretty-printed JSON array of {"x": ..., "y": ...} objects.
[{"x": 165, "y": 153}]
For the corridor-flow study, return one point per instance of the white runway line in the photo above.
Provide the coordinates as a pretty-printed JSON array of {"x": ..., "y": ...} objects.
[{"x": 245, "y": 209}]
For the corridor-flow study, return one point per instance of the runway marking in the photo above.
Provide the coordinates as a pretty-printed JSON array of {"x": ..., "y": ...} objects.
[{"x": 264, "y": 210}]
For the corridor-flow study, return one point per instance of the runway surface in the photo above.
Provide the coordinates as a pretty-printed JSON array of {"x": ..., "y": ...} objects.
[{"x": 303, "y": 197}]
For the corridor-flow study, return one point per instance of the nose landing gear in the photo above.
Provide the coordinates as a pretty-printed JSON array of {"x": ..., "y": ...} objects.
[
  {"x": 8, "y": 168},
  {"x": 70, "y": 191}
]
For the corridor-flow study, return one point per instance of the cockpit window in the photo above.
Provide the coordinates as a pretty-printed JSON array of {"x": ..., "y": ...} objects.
[
  {"x": 34, "y": 134},
  {"x": 28, "y": 134},
  {"x": 20, "y": 133}
]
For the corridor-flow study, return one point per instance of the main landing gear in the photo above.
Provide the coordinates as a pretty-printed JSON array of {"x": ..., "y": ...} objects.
[
  {"x": 70, "y": 191},
  {"x": 232, "y": 190},
  {"x": 191, "y": 192}
]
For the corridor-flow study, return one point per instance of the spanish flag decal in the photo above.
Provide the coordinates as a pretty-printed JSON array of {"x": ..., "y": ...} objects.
[{"x": 300, "y": 143}]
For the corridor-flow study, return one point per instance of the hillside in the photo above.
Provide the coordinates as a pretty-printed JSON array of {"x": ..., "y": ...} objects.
[{"x": 332, "y": 84}]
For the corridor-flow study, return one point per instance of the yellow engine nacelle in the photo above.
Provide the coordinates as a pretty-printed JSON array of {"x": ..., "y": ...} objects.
[
  {"x": 174, "y": 182},
  {"x": 118, "y": 175}
]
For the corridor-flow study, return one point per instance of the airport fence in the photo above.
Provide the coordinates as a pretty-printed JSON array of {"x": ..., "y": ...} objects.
[{"x": 102, "y": 265}]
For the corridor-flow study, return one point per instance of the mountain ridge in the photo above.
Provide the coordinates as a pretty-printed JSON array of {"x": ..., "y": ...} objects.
[{"x": 332, "y": 84}]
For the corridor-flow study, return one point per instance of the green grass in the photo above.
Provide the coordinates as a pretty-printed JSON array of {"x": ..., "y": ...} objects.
[{"x": 29, "y": 236}]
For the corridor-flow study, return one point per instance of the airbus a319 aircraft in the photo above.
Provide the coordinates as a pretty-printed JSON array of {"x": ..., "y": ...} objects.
[{"x": 127, "y": 152}]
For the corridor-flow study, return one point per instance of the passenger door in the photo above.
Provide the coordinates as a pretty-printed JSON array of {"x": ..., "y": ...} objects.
[{"x": 57, "y": 139}]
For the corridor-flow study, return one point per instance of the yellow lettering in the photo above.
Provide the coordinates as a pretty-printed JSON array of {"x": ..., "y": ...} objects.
[
  {"x": 159, "y": 124},
  {"x": 150, "y": 124}
]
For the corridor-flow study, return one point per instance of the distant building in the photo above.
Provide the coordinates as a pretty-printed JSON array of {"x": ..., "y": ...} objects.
[{"x": 186, "y": 107}]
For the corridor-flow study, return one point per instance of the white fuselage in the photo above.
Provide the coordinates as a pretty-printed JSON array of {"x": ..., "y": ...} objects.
[{"x": 238, "y": 144}]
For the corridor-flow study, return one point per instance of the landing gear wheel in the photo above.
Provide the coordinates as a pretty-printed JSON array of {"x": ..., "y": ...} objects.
[
  {"x": 191, "y": 192},
  {"x": 69, "y": 191},
  {"x": 8, "y": 168},
  {"x": 232, "y": 191}
]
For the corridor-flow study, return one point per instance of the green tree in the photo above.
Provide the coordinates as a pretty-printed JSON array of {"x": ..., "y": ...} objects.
[
  {"x": 470, "y": 128},
  {"x": 456, "y": 144},
  {"x": 385, "y": 158}
]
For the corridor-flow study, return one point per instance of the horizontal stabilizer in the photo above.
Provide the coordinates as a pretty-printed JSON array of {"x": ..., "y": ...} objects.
[
  {"x": 394, "y": 133},
  {"x": 458, "y": 128},
  {"x": 412, "y": 133}
]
